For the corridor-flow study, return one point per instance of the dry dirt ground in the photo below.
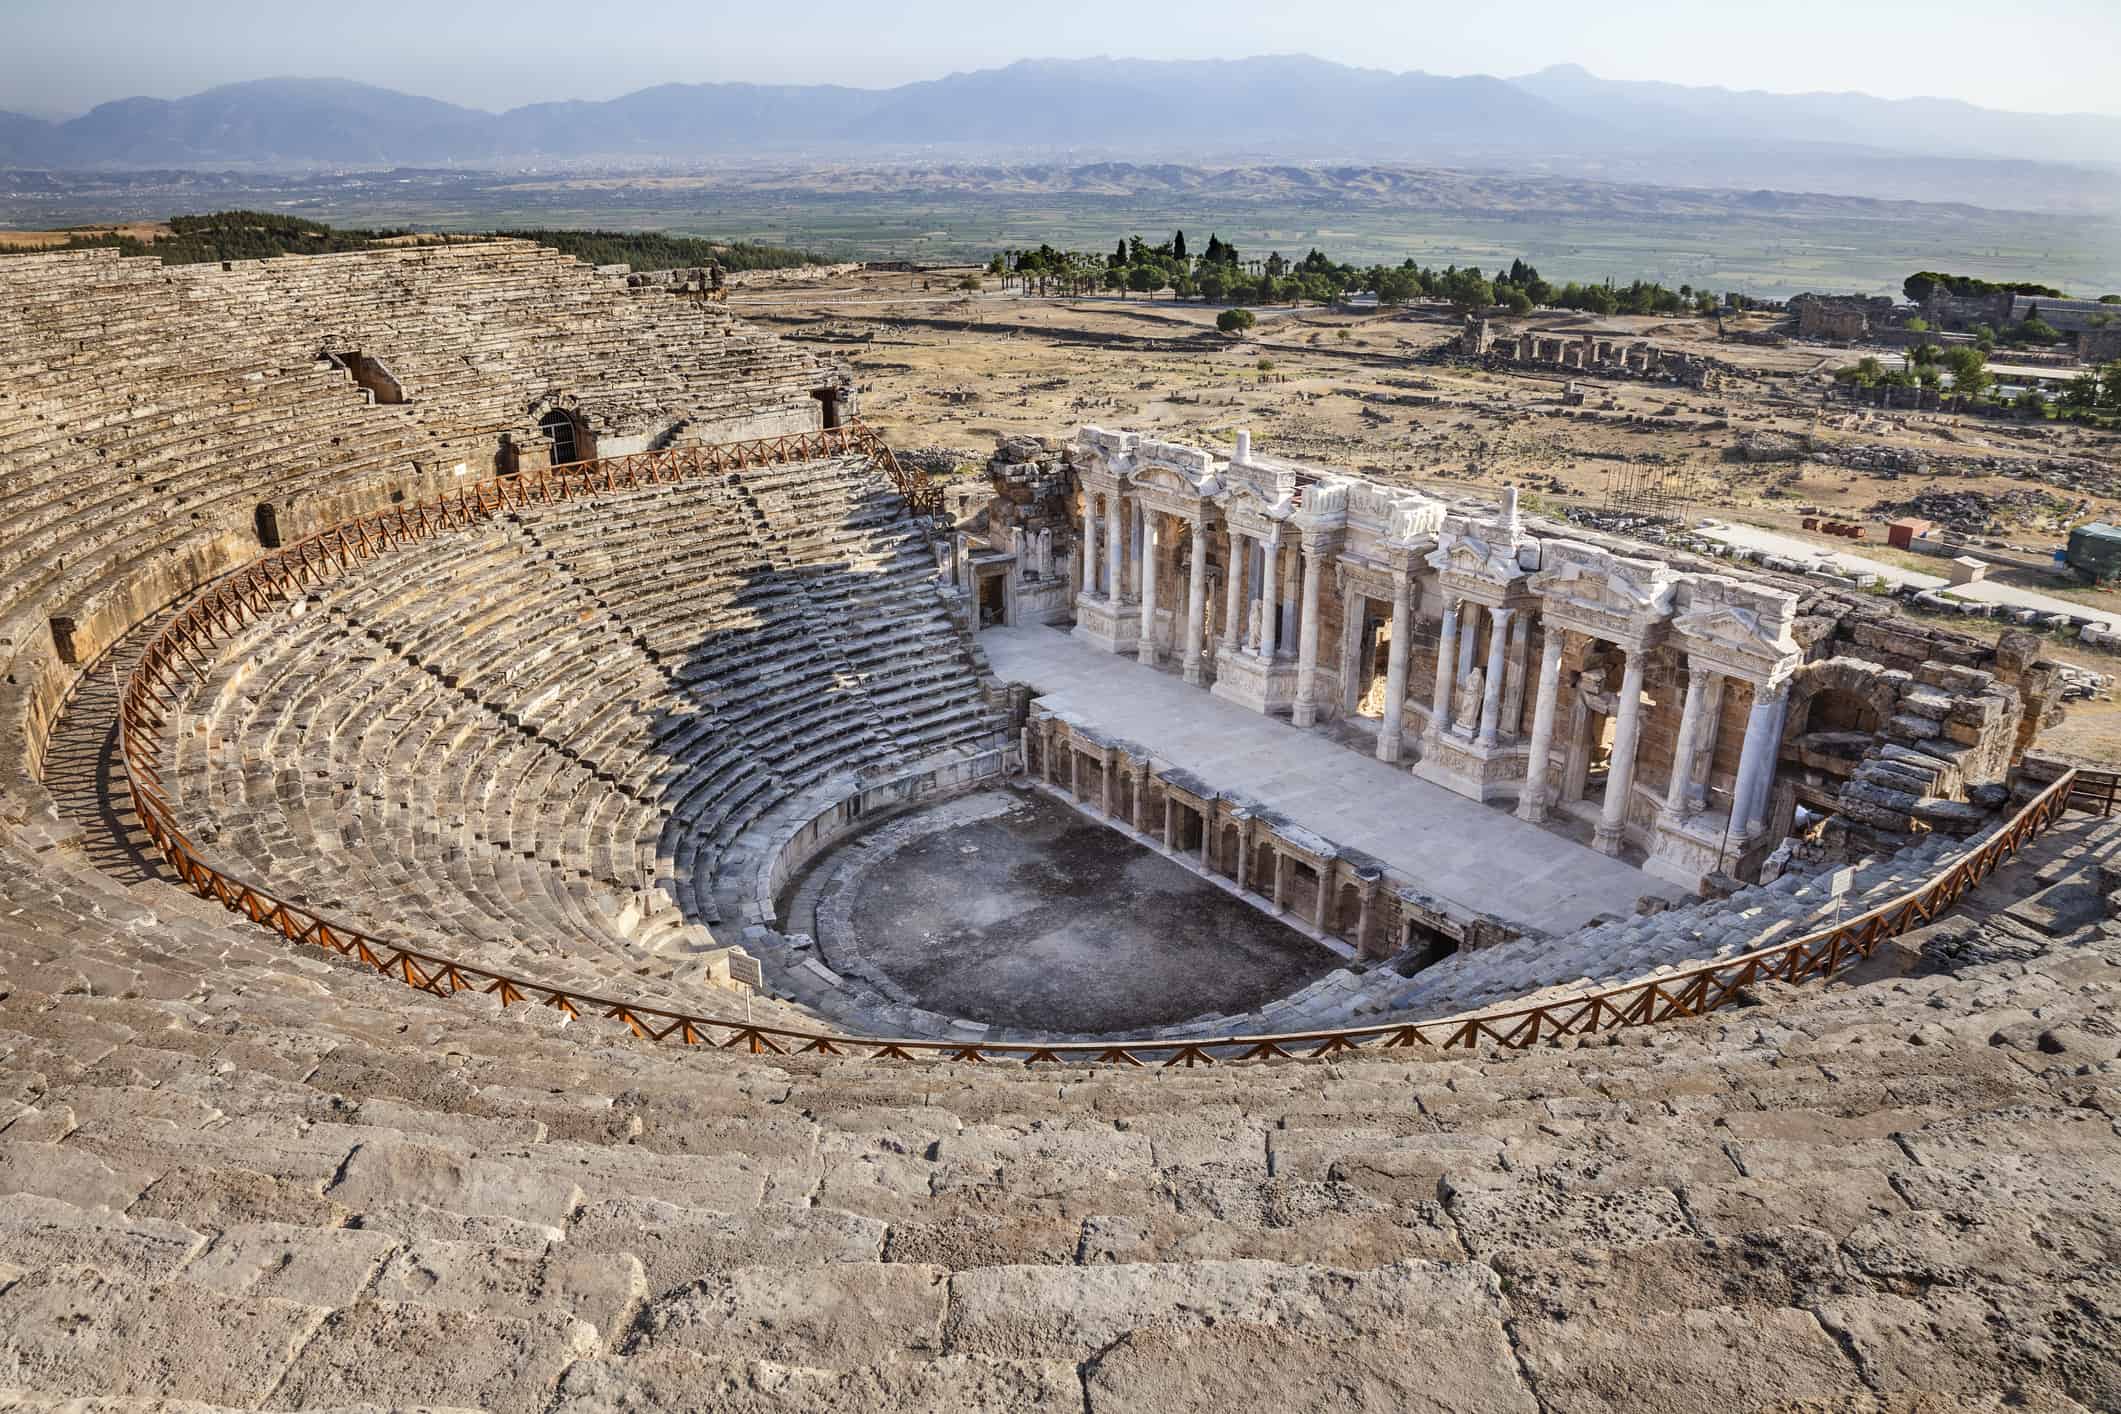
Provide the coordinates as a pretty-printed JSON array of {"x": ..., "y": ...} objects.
[
  {"x": 1356, "y": 389},
  {"x": 38, "y": 240}
]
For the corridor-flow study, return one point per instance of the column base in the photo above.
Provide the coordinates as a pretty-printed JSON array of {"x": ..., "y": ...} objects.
[
  {"x": 1465, "y": 767},
  {"x": 1391, "y": 747},
  {"x": 1305, "y": 714},
  {"x": 1532, "y": 806},
  {"x": 1256, "y": 683},
  {"x": 1607, "y": 839},
  {"x": 1115, "y": 628},
  {"x": 1684, "y": 849},
  {"x": 1145, "y": 652},
  {"x": 1194, "y": 673}
]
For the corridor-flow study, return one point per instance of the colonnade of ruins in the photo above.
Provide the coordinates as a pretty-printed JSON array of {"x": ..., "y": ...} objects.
[{"x": 1292, "y": 581}]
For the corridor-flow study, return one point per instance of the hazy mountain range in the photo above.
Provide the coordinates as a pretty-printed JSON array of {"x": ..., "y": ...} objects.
[{"x": 1286, "y": 106}]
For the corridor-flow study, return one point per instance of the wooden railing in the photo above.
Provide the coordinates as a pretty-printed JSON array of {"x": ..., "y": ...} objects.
[{"x": 187, "y": 647}]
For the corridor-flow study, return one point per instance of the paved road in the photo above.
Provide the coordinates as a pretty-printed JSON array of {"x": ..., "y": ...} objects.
[
  {"x": 1480, "y": 858},
  {"x": 1774, "y": 542}
]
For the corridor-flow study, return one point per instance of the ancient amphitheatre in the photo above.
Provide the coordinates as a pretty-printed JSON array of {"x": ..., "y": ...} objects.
[{"x": 548, "y": 866}]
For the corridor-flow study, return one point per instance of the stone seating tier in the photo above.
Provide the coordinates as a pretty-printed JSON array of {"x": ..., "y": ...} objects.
[
  {"x": 249, "y": 1176},
  {"x": 483, "y": 717}
]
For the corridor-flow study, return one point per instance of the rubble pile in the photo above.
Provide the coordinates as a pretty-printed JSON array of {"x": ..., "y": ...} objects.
[{"x": 1973, "y": 512}]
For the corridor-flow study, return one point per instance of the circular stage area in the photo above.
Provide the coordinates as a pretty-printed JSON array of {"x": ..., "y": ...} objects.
[{"x": 1009, "y": 908}]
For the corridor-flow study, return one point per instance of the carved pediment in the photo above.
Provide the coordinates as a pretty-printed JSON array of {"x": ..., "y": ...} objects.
[
  {"x": 1724, "y": 617},
  {"x": 1602, "y": 586},
  {"x": 1474, "y": 552}
]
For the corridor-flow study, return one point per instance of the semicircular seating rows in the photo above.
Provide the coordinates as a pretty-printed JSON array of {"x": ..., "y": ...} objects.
[{"x": 248, "y": 1175}]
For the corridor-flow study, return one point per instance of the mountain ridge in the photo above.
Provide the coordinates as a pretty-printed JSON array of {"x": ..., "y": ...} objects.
[{"x": 1262, "y": 104}]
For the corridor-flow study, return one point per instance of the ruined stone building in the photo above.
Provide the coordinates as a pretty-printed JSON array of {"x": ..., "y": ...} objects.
[
  {"x": 1587, "y": 351},
  {"x": 1677, "y": 708}
]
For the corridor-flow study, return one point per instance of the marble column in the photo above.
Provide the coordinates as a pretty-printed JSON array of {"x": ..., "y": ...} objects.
[
  {"x": 1711, "y": 730},
  {"x": 1234, "y": 595},
  {"x": 1089, "y": 543},
  {"x": 1145, "y": 651},
  {"x": 1324, "y": 902},
  {"x": 1697, "y": 686},
  {"x": 1207, "y": 842},
  {"x": 1113, "y": 547},
  {"x": 1244, "y": 858},
  {"x": 1498, "y": 664},
  {"x": 1196, "y": 601},
  {"x": 1391, "y": 733},
  {"x": 1268, "y": 613},
  {"x": 1104, "y": 785},
  {"x": 1281, "y": 879},
  {"x": 1170, "y": 809},
  {"x": 1513, "y": 678},
  {"x": 1532, "y": 805},
  {"x": 1446, "y": 657},
  {"x": 1362, "y": 920},
  {"x": 1468, "y": 642},
  {"x": 1075, "y": 772},
  {"x": 1620, "y": 774},
  {"x": 1756, "y": 760},
  {"x": 1306, "y": 710},
  {"x": 1291, "y": 624},
  {"x": 1777, "y": 702}
]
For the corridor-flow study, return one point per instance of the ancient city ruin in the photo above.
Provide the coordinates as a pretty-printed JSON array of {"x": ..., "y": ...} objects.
[{"x": 544, "y": 865}]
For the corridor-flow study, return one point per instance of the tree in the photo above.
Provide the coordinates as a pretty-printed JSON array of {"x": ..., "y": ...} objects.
[
  {"x": 971, "y": 282},
  {"x": 997, "y": 266},
  {"x": 1518, "y": 301},
  {"x": 1119, "y": 254},
  {"x": 1235, "y": 321},
  {"x": 1395, "y": 286},
  {"x": 1969, "y": 370},
  {"x": 1178, "y": 245},
  {"x": 2031, "y": 400},
  {"x": 1466, "y": 290},
  {"x": 1144, "y": 279},
  {"x": 2036, "y": 330}
]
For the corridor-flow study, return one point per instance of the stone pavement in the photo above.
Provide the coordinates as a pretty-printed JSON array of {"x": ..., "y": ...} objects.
[{"x": 1478, "y": 858}]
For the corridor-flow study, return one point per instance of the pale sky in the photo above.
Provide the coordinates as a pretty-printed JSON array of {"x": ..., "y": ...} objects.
[{"x": 59, "y": 57}]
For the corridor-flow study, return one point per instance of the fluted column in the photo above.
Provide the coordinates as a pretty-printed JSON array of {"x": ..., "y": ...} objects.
[
  {"x": 1468, "y": 644},
  {"x": 1620, "y": 775},
  {"x": 1145, "y": 651},
  {"x": 1498, "y": 664},
  {"x": 1113, "y": 547},
  {"x": 1513, "y": 678},
  {"x": 1697, "y": 685},
  {"x": 1234, "y": 597},
  {"x": 1306, "y": 710},
  {"x": 1446, "y": 658},
  {"x": 1197, "y": 603},
  {"x": 1391, "y": 733},
  {"x": 1532, "y": 805},
  {"x": 1269, "y": 610},
  {"x": 1089, "y": 542}
]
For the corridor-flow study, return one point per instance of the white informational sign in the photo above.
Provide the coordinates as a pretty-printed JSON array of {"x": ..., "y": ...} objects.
[
  {"x": 1842, "y": 880},
  {"x": 745, "y": 969}
]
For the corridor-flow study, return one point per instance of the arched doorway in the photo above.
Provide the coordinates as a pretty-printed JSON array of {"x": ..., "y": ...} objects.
[
  {"x": 561, "y": 435},
  {"x": 266, "y": 522}
]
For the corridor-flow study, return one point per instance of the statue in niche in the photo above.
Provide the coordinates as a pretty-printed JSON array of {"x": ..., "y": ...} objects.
[
  {"x": 1252, "y": 639},
  {"x": 1024, "y": 567},
  {"x": 1471, "y": 689}
]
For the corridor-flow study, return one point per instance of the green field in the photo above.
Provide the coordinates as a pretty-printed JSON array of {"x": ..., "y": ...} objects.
[{"x": 1770, "y": 254}]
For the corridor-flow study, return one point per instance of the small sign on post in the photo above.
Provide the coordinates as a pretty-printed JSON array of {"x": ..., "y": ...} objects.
[{"x": 1838, "y": 884}]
